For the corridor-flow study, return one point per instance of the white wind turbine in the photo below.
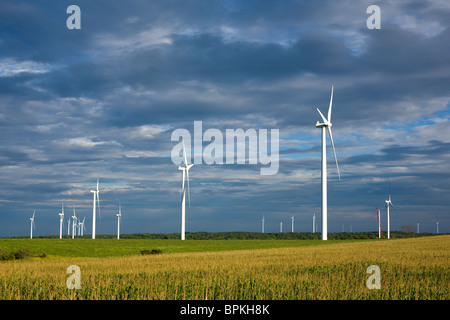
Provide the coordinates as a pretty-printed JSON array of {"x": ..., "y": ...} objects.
[
  {"x": 81, "y": 226},
  {"x": 74, "y": 222},
  {"x": 185, "y": 169},
  {"x": 281, "y": 226},
  {"x": 61, "y": 220},
  {"x": 292, "y": 219},
  {"x": 32, "y": 225},
  {"x": 68, "y": 226},
  {"x": 119, "y": 216},
  {"x": 389, "y": 204},
  {"x": 262, "y": 222},
  {"x": 94, "y": 206},
  {"x": 326, "y": 125}
]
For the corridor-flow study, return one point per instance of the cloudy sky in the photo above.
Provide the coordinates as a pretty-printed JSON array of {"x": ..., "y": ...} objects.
[{"x": 102, "y": 102}]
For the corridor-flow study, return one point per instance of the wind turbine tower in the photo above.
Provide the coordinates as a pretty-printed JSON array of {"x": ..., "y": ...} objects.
[
  {"x": 314, "y": 223},
  {"x": 74, "y": 223},
  {"x": 326, "y": 125},
  {"x": 262, "y": 223},
  {"x": 281, "y": 226},
  {"x": 185, "y": 169},
  {"x": 61, "y": 220},
  {"x": 94, "y": 206},
  {"x": 119, "y": 215},
  {"x": 292, "y": 219},
  {"x": 32, "y": 225},
  {"x": 389, "y": 204}
]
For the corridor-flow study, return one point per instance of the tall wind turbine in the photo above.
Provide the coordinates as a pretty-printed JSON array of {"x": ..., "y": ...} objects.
[
  {"x": 262, "y": 224},
  {"x": 32, "y": 225},
  {"x": 326, "y": 125},
  {"x": 281, "y": 226},
  {"x": 68, "y": 226},
  {"x": 389, "y": 204},
  {"x": 61, "y": 219},
  {"x": 94, "y": 206},
  {"x": 119, "y": 215},
  {"x": 292, "y": 218},
  {"x": 74, "y": 222},
  {"x": 185, "y": 169}
]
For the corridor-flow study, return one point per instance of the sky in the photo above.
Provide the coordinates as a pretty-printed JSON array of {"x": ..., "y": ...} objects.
[{"x": 102, "y": 102}]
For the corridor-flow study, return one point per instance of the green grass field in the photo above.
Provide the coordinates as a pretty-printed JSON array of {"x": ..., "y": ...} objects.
[
  {"x": 111, "y": 269},
  {"x": 125, "y": 247}
]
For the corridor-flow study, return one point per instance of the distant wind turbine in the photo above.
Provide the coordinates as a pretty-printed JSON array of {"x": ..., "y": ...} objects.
[
  {"x": 119, "y": 215},
  {"x": 74, "y": 223},
  {"x": 32, "y": 225},
  {"x": 281, "y": 226},
  {"x": 68, "y": 226},
  {"x": 81, "y": 226},
  {"x": 292, "y": 218},
  {"x": 389, "y": 204},
  {"x": 94, "y": 206},
  {"x": 326, "y": 125},
  {"x": 262, "y": 224},
  {"x": 61, "y": 220},
  {"x": 185, "y": 169}
]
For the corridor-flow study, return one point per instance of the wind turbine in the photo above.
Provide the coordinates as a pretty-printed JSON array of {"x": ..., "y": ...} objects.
[
  {"x": 61, "y": 219},
  {"x": 262, "y": 223},
  {"x": 74, "y": 222},
  {"x": 281, "y": 226},
  {"x": 81, "y": 226},
  {"x": 326, "y": 125},
  {"x": 68, "y": 226},
  {"x": 119, "y": 216},
  {"x": 389, "y": 204},
  {"x": 185, "y": 170},
  {"x": 292, "y": 218},
  {"x": 32, "y": 225},
  {"x": 94, "y": 206}
]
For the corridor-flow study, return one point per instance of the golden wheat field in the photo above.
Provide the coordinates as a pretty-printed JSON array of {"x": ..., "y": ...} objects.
[{"x": 415, "y": 268}]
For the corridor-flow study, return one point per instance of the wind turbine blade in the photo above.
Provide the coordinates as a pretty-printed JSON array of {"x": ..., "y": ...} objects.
[
  {"x": 189, "y": 192},
  {"x": 98, "y": 205},
  {"x": 323, "y": 118},
  {"x": 184, "y": 154},
  {"x": 392, "y": 205},
  {"x": 334, "y": 151},
  {"x": 331, "y": 103}
]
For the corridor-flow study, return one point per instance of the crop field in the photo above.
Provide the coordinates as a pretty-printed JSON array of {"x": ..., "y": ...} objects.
[{"x": 413, "y": 268}]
